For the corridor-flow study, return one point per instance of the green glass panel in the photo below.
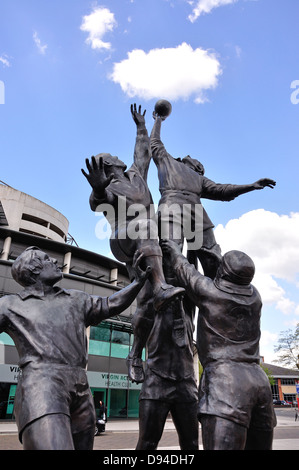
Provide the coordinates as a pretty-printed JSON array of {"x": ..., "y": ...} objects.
[
  {"x": 98, "y": 348},
  {"x": 5, "y": 339},
  {"x": 119, "y": 350},
  {"x": 11, "y": 399},
  {"x": 118, "y": 400},
  {"x": 101, "y": 332},
  {"x": 120, "y": 337},
  {"x": 133, "y": 404}
]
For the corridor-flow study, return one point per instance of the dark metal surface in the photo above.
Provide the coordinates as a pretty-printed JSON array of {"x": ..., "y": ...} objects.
[{"x": 54, "y": 407}]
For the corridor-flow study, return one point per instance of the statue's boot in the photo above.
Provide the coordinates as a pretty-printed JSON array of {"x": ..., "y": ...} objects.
[{"x": 166, "y": 294}]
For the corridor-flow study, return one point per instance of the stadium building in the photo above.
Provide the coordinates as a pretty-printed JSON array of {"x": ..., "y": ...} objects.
[{"x": 26, "y": 221}]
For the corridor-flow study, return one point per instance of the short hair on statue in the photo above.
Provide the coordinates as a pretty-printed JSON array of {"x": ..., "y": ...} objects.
[{"x": 27, "y": 267}]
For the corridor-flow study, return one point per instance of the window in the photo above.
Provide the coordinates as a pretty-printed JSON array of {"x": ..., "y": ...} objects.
[
  {"x": 290, "y": 397},
  {"x": 101, "y": 332},
  {"x": 118, "y": 403},
  {"x": 57, "y": 230},
  {"x": 287, "y": 381},
  {"x": 120, "y": 337},
  {"x": 111, "y": 339},
  {"x": 275, "y": 391},
  {"x": 42, "y": 223},
  {"x": 35, "y": 220}
]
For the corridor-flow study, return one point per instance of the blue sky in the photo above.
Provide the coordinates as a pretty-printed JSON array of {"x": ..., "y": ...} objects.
[{"x": 70, "y": 69}]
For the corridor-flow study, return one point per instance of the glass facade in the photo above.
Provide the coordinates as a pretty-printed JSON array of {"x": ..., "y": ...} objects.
[
  {"x": 7, "y": 397},
  {"x": 111, "y": 339},
  {"x": 114, "y": 340},
  {"x": 275, "y": 390}
]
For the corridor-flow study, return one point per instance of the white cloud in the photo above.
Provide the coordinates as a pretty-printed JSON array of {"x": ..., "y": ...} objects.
[
  {"x": 268, "y": 338},
  {"x": 272, "y": 241},
  {"x": 206, "y": 6},
  {"x": 41, "y": 47},
  {"x": 4, "y": 61},
  {"x": 97, "y": 24},
  {"x": 170, "y": 73},
  {"x": 267, "y": 342},
  {"x": 286, "y": 306}
]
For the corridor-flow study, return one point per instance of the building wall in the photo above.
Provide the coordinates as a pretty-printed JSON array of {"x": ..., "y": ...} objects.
[{"x": 27, "y": 214}]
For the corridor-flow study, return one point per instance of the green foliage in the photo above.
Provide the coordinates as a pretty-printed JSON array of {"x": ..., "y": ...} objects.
[
  {"x": 268, "y": 373},
  {"x": 200, "y": 369},
  {"x": 288, "y": 348}
]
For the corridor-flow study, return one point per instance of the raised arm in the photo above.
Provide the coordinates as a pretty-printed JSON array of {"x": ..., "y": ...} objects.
[
  {"x": 98, "y": 180},
  {"x": 121, "y": 300},
  {"x": 142, "y": 153},
  {"x": 187, "y": 275},
  {"x": 103, "y": 308},
  {"x": 157, "y": 147},
  {"x": 228, "y": 192}
]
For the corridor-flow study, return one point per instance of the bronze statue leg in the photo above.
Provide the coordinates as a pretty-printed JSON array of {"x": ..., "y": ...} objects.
[
  {"x": 259, "y": 439},
  {"x": 142, "y": 323},
  {"x": 50, "y": 432},
  {"x": 184, "y": 416},
  {"x": 222, "y": 434},
  {"x": 152, "y": 418}
]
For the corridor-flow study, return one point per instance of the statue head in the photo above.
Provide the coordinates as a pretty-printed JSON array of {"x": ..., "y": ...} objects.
[
  {"x": 34, "y": 265},
  {"x": 111, "y": 161},
  {"x": 194, "y": 164},
  {"x": 236, "y": 267}
]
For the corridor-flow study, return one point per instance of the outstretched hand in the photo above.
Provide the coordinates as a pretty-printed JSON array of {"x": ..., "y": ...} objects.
[
  {"x": 140, "y": 275},
  {"x": 96, "y": 175},
  {"x": 262, "y": 183},
  {"x": 137, "y": 116}
]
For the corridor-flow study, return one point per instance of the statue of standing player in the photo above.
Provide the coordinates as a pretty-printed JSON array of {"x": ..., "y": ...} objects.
[
  {"x": 235, "y": 399},
  {"x": 54, "y": 408}
]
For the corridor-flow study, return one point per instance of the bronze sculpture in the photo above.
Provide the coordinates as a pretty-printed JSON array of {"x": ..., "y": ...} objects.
[
  {"x": 169, "y": 385},
  {"x": 114, "y": 186},
  {"x": 229, "y": 306},
  {"x": 235, "y": 399},
  {"x": 173, "y": 175},
  {"x": 48, "y": 323},
  {"x": 228, "y": 319},
  {"x": 54, "y": 407}
]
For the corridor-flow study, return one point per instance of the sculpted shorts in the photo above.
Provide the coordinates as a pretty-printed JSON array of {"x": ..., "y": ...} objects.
[
  {"x": 239, "y": 392},
  {"x": 54, "y": 388},
  {"x": 158, "y": 388}
]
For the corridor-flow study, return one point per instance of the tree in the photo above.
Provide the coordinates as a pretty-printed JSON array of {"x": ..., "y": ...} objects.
[
  {"x": 269, "y": 374},
  {"x": 288, "y": 348}
]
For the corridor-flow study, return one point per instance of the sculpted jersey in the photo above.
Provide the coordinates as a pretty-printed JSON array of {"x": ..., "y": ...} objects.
[
  {"x": 175, "y": 175},
  {"x": 165, "y": 357},
  {"x": 51, "y": 329},
  {"x": 181, "y": 185},
  {"x": 227, "y": 330},
  {"x": 122, "y": 194}
]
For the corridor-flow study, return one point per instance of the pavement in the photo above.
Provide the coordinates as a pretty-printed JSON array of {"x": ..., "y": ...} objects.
[{"x": 122, "y": 434}]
